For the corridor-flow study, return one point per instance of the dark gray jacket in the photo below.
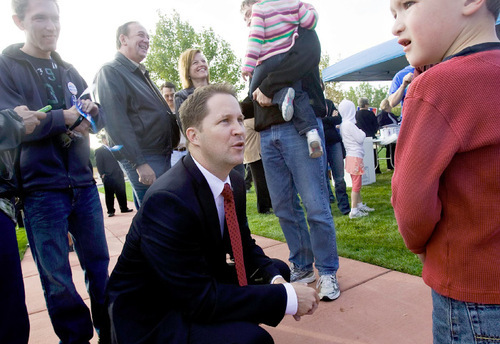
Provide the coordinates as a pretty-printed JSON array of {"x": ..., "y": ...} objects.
[
  {"x": 137, "y": 115},
  {"x": 11, "y": 133}
]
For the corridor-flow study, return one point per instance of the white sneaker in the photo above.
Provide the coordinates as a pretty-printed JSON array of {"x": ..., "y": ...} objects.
[
  {"x": 357, "y": 213},
  {"x": 314, "y": 144},
  {"x": 364, "y": 207},
  {"x": 287, "y": 105},
  {"x": 328, "y": 287}
]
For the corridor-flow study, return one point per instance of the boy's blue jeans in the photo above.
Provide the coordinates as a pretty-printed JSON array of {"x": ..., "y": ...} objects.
[{"x": 457, "y": 322}]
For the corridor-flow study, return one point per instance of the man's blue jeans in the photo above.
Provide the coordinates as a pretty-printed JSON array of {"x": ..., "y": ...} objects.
[
  {"x": 50, "y": 215},
  {"x": 457, "y": 322},
  {"x": 289, "y": 170},
  {"x": 336, "y": 162},
  {"x": 159, "y": 163}
]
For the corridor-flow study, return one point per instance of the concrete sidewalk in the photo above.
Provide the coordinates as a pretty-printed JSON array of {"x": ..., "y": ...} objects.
[{"x": 377, "y": 305}]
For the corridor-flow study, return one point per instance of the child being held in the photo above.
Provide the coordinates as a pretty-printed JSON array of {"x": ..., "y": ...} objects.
[{"x": 273, "y": 29}]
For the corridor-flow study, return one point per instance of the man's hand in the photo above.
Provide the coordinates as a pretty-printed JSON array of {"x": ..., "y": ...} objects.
[
  {"x": 261, "y": 98},
  {"x": 308, "y": 300},
  {"x": 71, "y": 116},
  {"x": 30, "y": 118},
  {"x": 246, "y": 75},
  {"x": 146, "y": 174},
  {"x": 89, "y": 107}
]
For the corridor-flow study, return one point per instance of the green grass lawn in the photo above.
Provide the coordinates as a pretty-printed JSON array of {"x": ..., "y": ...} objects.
[
  {"x": 22, "y": 241},
  {"x": 373, "y": 239}
]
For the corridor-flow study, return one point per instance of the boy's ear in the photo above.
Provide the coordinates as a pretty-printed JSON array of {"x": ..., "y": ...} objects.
[{"x": 472, "y": 6}]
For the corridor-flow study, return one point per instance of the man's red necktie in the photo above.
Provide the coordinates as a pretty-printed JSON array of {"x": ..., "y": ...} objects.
[{"x": 234, "y": 234}]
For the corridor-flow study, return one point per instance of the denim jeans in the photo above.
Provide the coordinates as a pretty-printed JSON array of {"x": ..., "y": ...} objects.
[
  {"x": 159, "y": 163},
  {"x": 50, "y": 215},
  {"x": 336, "y": 161},
  {"x": 304, "y": 118},
  {"x": 289, "y": 170},
  {"x": 457, "y": 322},
  {"x": 14, "y": 323}
]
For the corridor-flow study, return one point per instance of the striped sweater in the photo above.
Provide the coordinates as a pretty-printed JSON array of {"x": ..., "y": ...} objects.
[{"x": 273, "y": 28}]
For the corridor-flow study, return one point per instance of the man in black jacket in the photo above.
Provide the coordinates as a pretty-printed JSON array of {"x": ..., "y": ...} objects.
[
  {"x": 137, "y": 116},
  {"x": 56, "y": 177},
  {"x": 112, "y": 178},
  {"x": 14, "y": 125},
  {"x": 173, "y": 282}
]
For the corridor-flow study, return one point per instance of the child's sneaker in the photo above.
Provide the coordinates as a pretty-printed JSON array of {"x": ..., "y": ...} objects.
[
  {"x": 314, "y": 144},
  {"x": 364, "y": 207},
  {"x": 355, "y": 213},
  {"x": 287, "y": 105}
]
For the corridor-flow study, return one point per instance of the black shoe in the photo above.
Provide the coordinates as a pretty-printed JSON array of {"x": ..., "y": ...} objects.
[
  {"x": 128, "y": 210},
  {"x": 72, "y": 248},
  {"x": 111, "y": 214}
]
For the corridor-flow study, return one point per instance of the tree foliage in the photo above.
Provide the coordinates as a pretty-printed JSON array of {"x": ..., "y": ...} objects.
[
  {"x": 173, "y": 36},
  {"x": 374, "y": 95},
  {"x": 332, "y": 89}
]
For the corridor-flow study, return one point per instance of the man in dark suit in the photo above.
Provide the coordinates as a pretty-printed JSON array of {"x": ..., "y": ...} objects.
[
  {"x": 173, "y": 282},
  {"x": 112, "y": 178}
]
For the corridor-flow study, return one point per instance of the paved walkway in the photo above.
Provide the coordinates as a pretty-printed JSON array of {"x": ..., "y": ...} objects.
[{"x": 377, "y": 305}]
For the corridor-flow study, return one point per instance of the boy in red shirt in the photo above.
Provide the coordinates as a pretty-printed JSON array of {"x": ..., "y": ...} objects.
[{"x": 446, "y": 185}]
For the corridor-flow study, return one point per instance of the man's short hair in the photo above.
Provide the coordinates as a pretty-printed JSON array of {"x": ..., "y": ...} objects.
[
  {"x": 494, "y": 7},
  {"x": 123, "y": 30},
  {"x": 362, "y": 102},
  {"x": 185, "y": 61},
  {"x": 194, "y": 109},
  {"x": 168, "y": 84},
  {"x": 19, "y": 7}
]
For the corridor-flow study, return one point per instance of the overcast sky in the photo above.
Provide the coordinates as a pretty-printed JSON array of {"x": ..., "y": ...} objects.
[{"x": 87, "y": 38}]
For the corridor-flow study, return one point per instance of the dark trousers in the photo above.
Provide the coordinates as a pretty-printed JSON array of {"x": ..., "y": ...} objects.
[
  {"x": 259, "y": 179},
  {"x": 14, "y": 323},
  {"x": 114, "y": 187}
]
